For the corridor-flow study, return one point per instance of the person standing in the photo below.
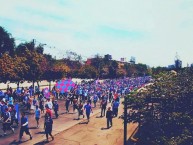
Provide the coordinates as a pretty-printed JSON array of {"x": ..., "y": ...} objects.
[
  {"x": 56, "y": 108},
  {"x": 88, "y": 109},
  {"x": 109, "y": 116},
  {"x": 103, "y": 107},
  {"x": 37, "y": 115},
  {"x": 48, "y": 126},
  {"x": 24, "y": 127}
]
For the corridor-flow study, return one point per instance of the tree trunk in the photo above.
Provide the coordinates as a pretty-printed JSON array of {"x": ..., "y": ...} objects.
[
  {"x": 33, "y": 84},
  {"x": 38, "y": 85},
  {"x": 50, "y": 85}
]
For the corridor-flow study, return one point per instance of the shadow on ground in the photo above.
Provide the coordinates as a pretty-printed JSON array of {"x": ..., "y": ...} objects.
[
  {"x": 17, "y": 143},
  {"x": 43, "y": 142}
]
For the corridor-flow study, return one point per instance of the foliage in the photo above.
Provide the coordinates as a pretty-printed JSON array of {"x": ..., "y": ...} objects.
[
  {"x": 164, "y": 109},
  {"x": 37, "y": 65},
  {"x": 88, "y": 72},
  {"x": 7, "y": 44},
  {"x": 7, "y": 66}
]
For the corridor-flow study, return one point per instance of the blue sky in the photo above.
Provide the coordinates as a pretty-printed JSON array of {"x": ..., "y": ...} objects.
[{"x": 150, "y": 30}]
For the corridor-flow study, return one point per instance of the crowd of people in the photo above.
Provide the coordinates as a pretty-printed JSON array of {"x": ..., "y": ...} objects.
[{"x": 82, "y": 97}]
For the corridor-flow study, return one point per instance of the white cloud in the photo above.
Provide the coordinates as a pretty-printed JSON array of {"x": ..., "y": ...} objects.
[{"x": 166, "y": 26}]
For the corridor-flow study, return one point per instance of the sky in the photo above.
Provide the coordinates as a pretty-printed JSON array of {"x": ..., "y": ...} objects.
[{"x": 150, "y": 30}]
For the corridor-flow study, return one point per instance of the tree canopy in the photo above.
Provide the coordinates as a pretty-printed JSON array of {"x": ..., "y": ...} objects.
[{"x": 163, "y": 109}]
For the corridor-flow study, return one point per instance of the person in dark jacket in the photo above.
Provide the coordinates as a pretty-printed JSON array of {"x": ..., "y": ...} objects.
[
  {"x": 103, "y": 107},
  {"x": 41, "y": 104},
  {"x": 80, "y": 110},
  {"x": 13, "y": 114},
  {"x": 48, "y": 126},
  {"x": 67, "y": 104},
  {"x": 109, "y": 116},
  {"x": 56, "y": 108},
  {"x": 7, "y": 121}
]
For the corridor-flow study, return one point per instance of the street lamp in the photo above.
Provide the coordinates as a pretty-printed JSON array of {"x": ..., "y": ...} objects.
[{"x": 125, "y": 120}]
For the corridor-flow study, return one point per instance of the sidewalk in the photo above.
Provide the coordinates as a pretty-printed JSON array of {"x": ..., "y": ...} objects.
[{"x": 93, "y": 133}]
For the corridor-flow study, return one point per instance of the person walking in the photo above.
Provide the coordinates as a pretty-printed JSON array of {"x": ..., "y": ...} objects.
[
  {"x": 13, "y": 113},
  {"x": 28, "y": 105},
  {"x": 95, "y": 99},
  {"x": 48, "y": 126},
  {"x": 109, "y": 116},
  {"x": 41, "y": 104},
  {"x": 75, "y": 104},
  {"x": 48, "y": 110},
  {"x": 88, "y": 109},
  {"x": 24, "y": 127},
  {"x": 3, "y": 108},
  {"x": 110, "y": 96},
  {"x": 7, "y": 121},
  {"x": 34, "y": 103},
  {"x": 115, "y": 108},
  {"x": 80, "y": 110},
  {"x": 103, "y": 107},
  {"x": 56, "y": 108},
  {"x": 67, "y": 104},
  {"x": 37, "y": 115},
  {"x": 49, "y": 103}
]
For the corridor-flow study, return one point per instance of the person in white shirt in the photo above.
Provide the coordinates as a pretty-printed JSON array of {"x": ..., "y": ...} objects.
[{"x": 50, "y": 104}]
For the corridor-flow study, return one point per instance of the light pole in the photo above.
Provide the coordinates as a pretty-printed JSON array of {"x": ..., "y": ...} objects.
[{"x": 125, "y": 120}]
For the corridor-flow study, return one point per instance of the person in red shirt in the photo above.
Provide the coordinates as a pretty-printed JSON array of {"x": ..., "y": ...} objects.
[{"x": 48, "y": 110}]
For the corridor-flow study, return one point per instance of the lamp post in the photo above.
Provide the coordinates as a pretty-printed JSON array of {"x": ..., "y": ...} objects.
[{"x": 125, "y": 120}]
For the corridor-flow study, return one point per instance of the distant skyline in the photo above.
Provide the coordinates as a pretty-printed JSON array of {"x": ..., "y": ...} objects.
[{"x": 150, "y": 30}]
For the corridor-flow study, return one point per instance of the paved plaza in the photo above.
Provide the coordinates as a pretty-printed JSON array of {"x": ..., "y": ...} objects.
[{"x": 70, "y": 131}]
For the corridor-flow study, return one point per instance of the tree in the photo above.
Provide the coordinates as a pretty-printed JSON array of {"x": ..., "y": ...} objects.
[
  {"x": 20, "y": 68},
  {"x": 141, "y": 69},
  {"x": 7, "y": 66},
  {"x": 7, "y": 43},
  {"x": 37, "y": 64},
  {"x": 73, "y": 56},
  {"x": 164, "y": 111},
  {"x": 121, "y": 73},
  {"x": 30, "y": 46},
  {"x": 88, "y": 72}
]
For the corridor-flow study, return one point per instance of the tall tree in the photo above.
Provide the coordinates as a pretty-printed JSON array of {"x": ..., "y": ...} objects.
[
  {"x": 7, "y": 43},
  {"x": 7, "y": 66},
  {"x": 164, "y": 110},
  {"x": 37, "y": 65},
  {"x": 88, "y": 72}
]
